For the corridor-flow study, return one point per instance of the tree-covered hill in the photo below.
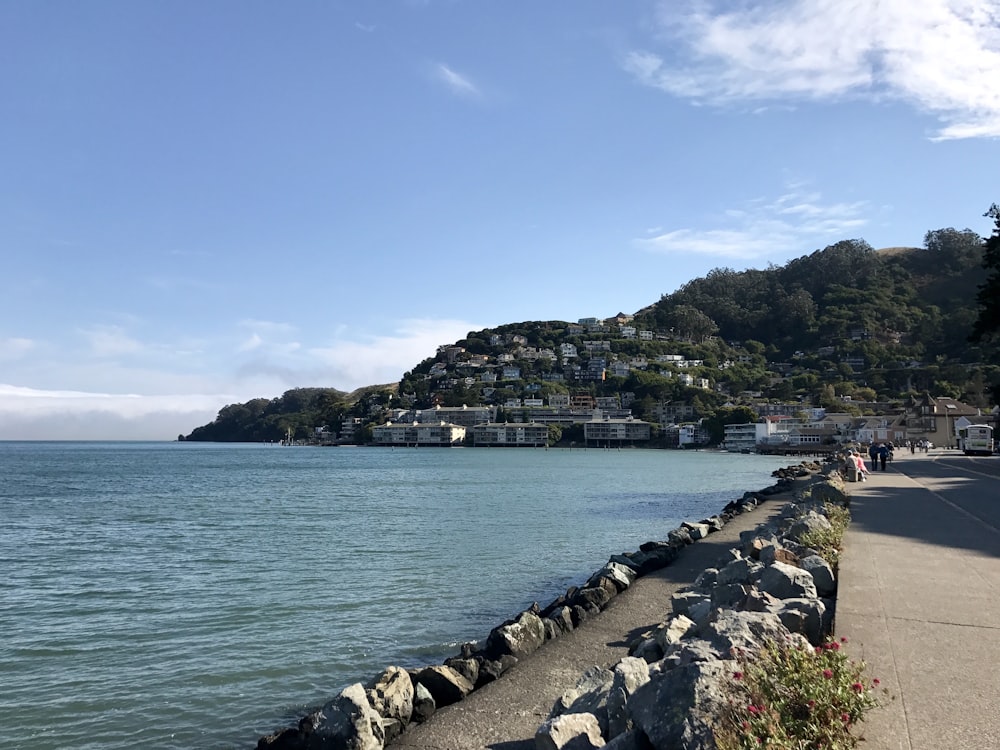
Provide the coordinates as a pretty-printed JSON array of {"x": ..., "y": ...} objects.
[{"x": 844, "y": 322}]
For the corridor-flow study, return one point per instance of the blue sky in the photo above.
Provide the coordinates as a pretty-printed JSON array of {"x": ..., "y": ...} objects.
[{"x": 202, "y": 203}]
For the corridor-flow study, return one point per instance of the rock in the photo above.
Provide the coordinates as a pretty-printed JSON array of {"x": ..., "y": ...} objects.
[
  {"x": 629, "y": 675},
  {"x": 811, "y": 522},
  {"x": 822, "y": 574},
  {"x": 468, "y": 668},
  {"x": 787, "y": 582},
  {"x": 732, "y": 595},
  {"x": 588, "y": 696},
  {"x": 563, "y": 619},
  {"x": 706, "y": 579},
  {"x": 492, "y": 669},
  {"x": 445, "y": 684},
  {"x": 391, "y": 694},
  {"x": 689, "y": 652},
  {"x": 729, "y": 631},
  {"x": 682, "y": 601},
  {"x": 673, "y": 631},
  {"x": 774, "y": 553},
  {"x": 677, "y": 708},
  {"x": 679, "y": 537},
  {"x": 569, "y": 732},
  {"x": 519, "y": 638},
  {"x": 423, "y": 703},
  {"x": 805, "y": 616},
  {"x": 634, "y": 739},
  {"x": 646, "y": 649},
  {"x": 696, "y": 530},
  {"x": 347, "y": 721},
  {"x": 744, "y": 570},
  {"x": 594, "y": 597},
  {"x": 623, "y": 575}
]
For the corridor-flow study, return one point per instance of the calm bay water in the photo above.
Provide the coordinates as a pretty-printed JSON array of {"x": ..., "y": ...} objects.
[{"x": 175, "y": 595}]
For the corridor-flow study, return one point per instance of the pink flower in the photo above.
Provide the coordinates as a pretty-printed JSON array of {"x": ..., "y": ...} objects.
[
  {"x": 843, "y": 639},
  {"x": 857, "y": 687},
  {"x": 846, "y": 718},
  {"x": 835, "y": 646},
  {"x": 828, "y": 673},
  {"x": 737, "y": 675},
  {"x": 876, "y": 682},
  {"x": 811, "y": 704},
  {"x": 753, "y": 709},
  {"x": 819, "y": 649}
]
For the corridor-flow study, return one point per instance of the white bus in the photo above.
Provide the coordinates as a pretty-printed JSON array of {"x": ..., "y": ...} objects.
[{"x": 976, "y": 440}]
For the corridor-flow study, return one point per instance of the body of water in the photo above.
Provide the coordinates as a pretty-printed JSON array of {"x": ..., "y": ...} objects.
[{"x": 185, "y": 595}]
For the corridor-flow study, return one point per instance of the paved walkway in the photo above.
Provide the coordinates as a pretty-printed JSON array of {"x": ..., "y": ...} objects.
[
  {"x": 505, "y": 714},
  {"x": 919, "y": 600}
]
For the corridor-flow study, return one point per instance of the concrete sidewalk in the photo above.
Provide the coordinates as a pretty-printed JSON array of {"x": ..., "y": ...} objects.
[{"x": 919, "y": 601}]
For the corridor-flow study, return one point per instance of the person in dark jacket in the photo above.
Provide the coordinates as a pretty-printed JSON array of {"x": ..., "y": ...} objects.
[
  {"x": 883, "y": 454},
  {"x": 873, "y": 455}
]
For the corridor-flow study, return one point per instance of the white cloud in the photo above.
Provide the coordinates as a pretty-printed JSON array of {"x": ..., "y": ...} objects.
[
  {"x": 15, "y": 348},
  {"x": 384, "y": 358},
  {"x": 458, "y": 83},
  {"x": 793, "y": 222},
  {"x": 110, "y": 341},
  {"x": 940, "y": 55}
]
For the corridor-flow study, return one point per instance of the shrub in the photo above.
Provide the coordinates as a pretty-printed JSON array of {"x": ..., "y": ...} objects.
[
  {"x": 828, "y": 542},
  {"x": 792, "y": 697}
]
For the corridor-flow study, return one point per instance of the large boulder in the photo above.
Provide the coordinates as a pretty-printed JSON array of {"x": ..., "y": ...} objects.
[
  {"x": 787, "y": 582},
  {"x": 588, "y": 696},
  {"x": 423, "y": 703},
  {"x": 811, "y": 522},
  {"x": 677, "y": 708},
  {"x": 629, "y": 675}
]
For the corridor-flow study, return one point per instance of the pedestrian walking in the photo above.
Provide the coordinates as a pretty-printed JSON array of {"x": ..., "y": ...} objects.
[
  {"x": 883, "y": 454},
  {"x": 873, "y": 455}
]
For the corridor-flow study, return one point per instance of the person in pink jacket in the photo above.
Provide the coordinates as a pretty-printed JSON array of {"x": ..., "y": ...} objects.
[{"x": 859, "y": 463}]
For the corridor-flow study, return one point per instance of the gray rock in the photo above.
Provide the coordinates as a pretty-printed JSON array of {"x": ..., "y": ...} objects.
[
  {"x": 730, "y": 631},
  {"x": 519, "y": 638},
  {"x": 467, "y": 667},
  {"x": 682, "y": 601},
  {"x": 805, "y": 616},
  {"x": 348, "y": 721},
  {"x": 787, "y": 582},
  {"x": 569, "y": 732},
  {"x": 423, "y": 703},
  {"x": 696, "y": 530},
  {"x": 673, "y": 631},
  {"x": 491, "y": 669},
  {"x": 445, "y": 684},
  {"x": 706, "y": 579},
  {"x": 732, "y": 595},
  {"x": 677, "y": 708},
  {"x": 629, "y": 675},
  {"x": 563, "y": 619},
  {"x": 809, "y": 523},
  {"x": 391, "y": 695},
  {"x": 822, "y": 574},
  {"x": 745, "y": 570}
]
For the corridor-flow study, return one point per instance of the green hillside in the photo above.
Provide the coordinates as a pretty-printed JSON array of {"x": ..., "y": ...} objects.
[{"x": 845, "y": 327}]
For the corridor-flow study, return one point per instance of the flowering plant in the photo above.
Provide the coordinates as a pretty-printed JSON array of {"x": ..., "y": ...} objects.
[{"x": 791, "y": 697}]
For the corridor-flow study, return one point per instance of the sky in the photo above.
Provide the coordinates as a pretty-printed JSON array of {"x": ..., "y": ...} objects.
[{"x": 204, "y": 203}]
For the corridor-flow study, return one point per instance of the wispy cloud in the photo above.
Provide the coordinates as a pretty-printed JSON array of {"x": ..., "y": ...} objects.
[
  {"x": 110, "y": 341},
  {"x": 796, "y": 221},
  {"x": 15, "y": 348},
  {"x": 940, "y": 55},
  {"x": 459, "y": 84}
]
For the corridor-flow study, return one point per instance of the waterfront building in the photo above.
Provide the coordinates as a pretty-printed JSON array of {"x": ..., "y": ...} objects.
[
  {"x": 514, "y": 434},
  {"x": 419, "y": 433}
]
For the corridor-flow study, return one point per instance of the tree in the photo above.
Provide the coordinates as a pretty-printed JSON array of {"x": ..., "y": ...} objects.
[{"x": 987, "y": 325}]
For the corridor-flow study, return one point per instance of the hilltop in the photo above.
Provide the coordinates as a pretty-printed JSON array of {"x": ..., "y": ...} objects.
[{"x": 846, "y": 327}]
